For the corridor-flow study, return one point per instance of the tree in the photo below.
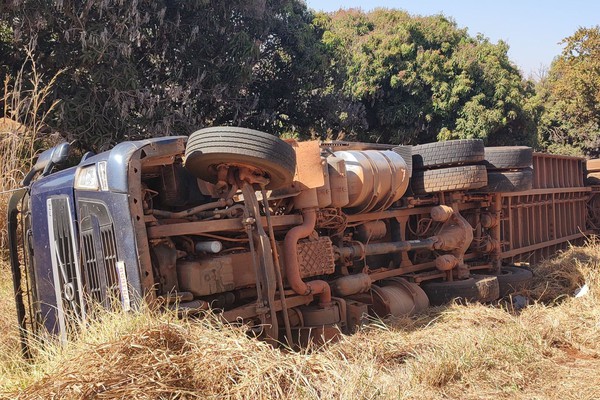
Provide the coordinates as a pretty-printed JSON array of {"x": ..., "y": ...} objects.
[
  {"x": 153, "y": 68},
  {"x": 571, "y": 96},
  {"x": 295, "y": 85},
  {"x": 161, "y": 67},
  {"x": 422, "y": 78}
]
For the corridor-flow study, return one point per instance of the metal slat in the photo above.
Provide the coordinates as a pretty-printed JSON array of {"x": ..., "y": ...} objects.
[
  {"x": 67, "y": 264},
  {"x": 102, "y": 284},
  {"x": 110, "y": 257}
]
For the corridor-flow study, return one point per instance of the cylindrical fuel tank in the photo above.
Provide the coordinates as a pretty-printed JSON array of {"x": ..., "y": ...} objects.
[
  {"x": 338, "y": 183},
  {"x": 376, "y": 179}
]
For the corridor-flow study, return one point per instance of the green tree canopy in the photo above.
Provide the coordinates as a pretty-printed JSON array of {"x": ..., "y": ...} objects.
[
  {"x": 422, "y": 78},
  {"x": 571, "y": 96},
  {"x": 151, "y": 68},
  {"x": 161, "y": 67}
]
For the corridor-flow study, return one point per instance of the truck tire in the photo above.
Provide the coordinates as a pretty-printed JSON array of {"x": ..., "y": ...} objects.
[
  {"x": 481, "y": 288},
  {"x": 209, "y": 147},
  {"x": 449, "y": 153},
  {"x": 593, "y": 165},
  {"x": 406, "y": 154},
  {"x": 509, "y": 157},
  {"x": 513, "y": 279},
  {"x": 513, "y": 181},
  {"x": 593, "y": 178},
  {"x": 465, "y": 177}
]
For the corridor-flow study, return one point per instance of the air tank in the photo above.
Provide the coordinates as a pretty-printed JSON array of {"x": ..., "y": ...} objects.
[{"x": 376, "y": 179}]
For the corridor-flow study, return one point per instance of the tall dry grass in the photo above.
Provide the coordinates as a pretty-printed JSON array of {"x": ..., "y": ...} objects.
[
  {"x": 10, "y": 359},
  {"x": 26, "y": 105},
  {"x": 549, "y": 350}
]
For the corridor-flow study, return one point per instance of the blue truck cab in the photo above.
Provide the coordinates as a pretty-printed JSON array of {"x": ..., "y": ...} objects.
[{"x": 81, "y": 232}]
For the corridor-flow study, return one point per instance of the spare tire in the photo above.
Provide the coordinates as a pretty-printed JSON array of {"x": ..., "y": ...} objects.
[
  {"x": 448, "y": 153},
  {"x": 593, "y": 165},
  {"x": 508, "y": 157},
  {"x": 406, "y": 154},
  {"x": 481, "y": 288},
  {"x": 465, "y": 177},
  {"x": 207, "y": 148},
  {"x": 512, "y": 181}
]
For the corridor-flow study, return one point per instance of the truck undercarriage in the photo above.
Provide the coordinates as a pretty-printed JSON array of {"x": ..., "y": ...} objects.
[{"x": 296, "y": 239}]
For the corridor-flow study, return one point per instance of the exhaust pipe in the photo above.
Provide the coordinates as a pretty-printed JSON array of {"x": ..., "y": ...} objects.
[{"x": 292, "y": 267}]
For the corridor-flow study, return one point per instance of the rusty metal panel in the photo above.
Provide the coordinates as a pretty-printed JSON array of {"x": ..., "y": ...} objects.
[
  {"x": 309, "y": 168},
  {"x": 537, "y": 223},
  {"x": 555, "y": 171}
]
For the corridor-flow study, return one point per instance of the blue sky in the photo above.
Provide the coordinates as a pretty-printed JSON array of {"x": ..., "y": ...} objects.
[{"x": 532, "y": 29}]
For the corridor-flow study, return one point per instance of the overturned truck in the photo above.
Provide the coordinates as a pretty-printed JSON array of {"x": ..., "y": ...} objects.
[{"x": 295, "y": 239}]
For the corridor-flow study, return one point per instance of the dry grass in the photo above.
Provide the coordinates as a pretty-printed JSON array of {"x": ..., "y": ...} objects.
[
  {"x": 550, "y": 350},
  {"x": 10, "y": 361},
  {"x": 26, "y": 106},
  {"x": 557, "y": 279}
]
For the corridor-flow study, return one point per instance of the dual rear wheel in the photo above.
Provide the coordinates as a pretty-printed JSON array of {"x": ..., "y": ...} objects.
[{"x": 453, "y": 165}]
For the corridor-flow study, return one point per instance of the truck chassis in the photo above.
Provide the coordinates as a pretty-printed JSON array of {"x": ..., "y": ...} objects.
[{"x": 298, "y": 240}]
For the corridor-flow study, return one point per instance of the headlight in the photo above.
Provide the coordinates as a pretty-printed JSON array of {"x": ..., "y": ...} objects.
[
  {"x": 92, "y": 177},
  {"x": 87, "y": 178}
]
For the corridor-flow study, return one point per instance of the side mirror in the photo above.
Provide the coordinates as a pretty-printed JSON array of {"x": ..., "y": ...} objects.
[
  {"x": 47, "y": 160},
  {"x": 86, "y": 156},
  {"x": 60, "y": 154}
]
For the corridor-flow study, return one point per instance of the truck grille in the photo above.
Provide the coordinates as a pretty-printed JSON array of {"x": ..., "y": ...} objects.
[
  {"x": 99, "y": 255},
  {"x": 66, "y": 273}
]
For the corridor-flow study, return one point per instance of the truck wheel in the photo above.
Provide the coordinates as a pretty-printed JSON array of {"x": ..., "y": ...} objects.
[
  {"x": 449, "y": 153},
  {"x": 509, "y": 157},
  {"x": 593, "y": 165},
  {"x": 406, "y": 154},
  {"x": 449, "y": 179},
  {"x": 482, "y": 288},
  {"x": 593, "y": 178},
  {"x": 210, "y": 147},
  {"x": 513, "y": 279},
  {"x": 516, "y": 181}
]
